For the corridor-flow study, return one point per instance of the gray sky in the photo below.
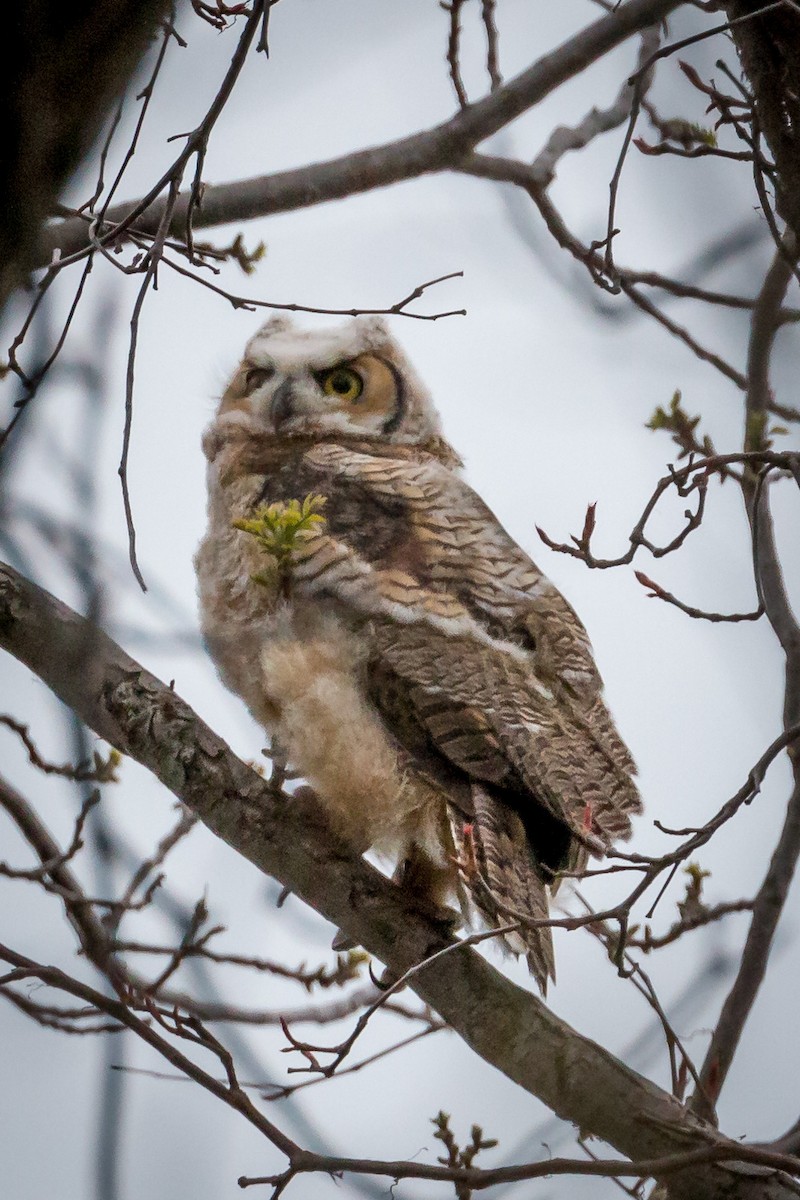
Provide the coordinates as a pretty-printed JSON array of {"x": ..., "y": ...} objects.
[{"x": 546, "y": 398}]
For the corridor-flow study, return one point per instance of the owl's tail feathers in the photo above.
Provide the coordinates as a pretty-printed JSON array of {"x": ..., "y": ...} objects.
[{"x": 498, "y": 871}]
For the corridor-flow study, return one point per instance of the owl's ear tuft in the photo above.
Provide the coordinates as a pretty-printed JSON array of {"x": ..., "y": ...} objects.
[
  {"x": 278, "y": 323},
  {"x": 373, "y": 332}
]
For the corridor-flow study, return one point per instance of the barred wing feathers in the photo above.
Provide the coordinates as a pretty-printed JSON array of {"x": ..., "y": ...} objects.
[{"x": 475, "y": 659}]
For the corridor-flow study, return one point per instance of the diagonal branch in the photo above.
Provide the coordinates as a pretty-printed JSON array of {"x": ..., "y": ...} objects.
[
  {"x": 436, "y": 149},
  {"x": 507, "y": 1026},
  {"x": 599, "y": 120},
  {"x": 230, "y": 1091}
]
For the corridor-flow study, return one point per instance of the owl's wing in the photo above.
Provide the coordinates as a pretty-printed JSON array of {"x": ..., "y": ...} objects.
[
  {"x": 470, "y": 617},
  {"x": 479, "y": 668}
]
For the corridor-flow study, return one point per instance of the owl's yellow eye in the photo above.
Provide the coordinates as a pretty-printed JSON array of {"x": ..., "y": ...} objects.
[{"x": 342, "y": 382}]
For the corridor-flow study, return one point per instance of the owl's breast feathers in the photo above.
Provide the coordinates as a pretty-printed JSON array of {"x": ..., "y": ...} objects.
[{"x": 472, "y": 659}]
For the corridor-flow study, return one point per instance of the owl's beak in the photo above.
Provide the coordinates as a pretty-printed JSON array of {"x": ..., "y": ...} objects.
[{"x": 282, "y": 406}]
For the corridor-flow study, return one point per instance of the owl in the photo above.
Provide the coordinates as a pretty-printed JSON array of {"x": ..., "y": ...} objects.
[{"x": 410, "y": 661}]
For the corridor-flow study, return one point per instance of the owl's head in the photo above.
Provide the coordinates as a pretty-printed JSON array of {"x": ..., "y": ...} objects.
[{"x": 351, "y": 380}]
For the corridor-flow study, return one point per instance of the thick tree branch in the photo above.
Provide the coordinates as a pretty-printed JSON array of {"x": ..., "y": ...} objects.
[
  {"x": 437, "y": 149},
  {"x": 504, "y": 1024}
]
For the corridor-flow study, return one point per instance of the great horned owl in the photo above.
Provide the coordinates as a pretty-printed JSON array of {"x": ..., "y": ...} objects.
[{"x": 434, "y": 688}]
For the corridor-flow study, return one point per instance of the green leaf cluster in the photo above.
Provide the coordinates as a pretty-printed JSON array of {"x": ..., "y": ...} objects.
[
  {"x": 693, "y": 903},
  {"x": 703, "y": 134},
  {"x": 280, "y": 527},
  {"x": 683, "y": 427}
]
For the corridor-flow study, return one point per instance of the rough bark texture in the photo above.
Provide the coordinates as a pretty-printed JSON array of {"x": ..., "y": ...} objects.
[
  {"x": 505, "y": 1025},
  {"x": 769, "y": 49},
  {"x": 63, "y": 67}
]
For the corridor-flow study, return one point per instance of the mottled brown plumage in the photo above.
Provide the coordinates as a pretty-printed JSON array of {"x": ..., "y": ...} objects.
[{"x": 422, "y": 673}]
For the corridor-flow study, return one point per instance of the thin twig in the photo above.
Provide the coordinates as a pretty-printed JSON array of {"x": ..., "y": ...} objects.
[
  {"x": 399, "y": 309},
  {"x": 453, "y": 8},
  {"x": 102, "y": 770},
  {"x": 340, "y": 1052},
  {"x": 638, "y": 82},
  {"x": 488, "y": 8},
  {"x": 656, "y": 591}
]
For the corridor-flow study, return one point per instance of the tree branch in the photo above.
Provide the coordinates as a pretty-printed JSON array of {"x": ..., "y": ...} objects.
[
  {"x": 771, "y": 897},
  {"x": 91, "y": 934},
  {"x": 437, "y": 149},
  {"x": 767, "y": 47},
  {"x": 507, "y": 1026},
  {"x": 64, "y": 67}
]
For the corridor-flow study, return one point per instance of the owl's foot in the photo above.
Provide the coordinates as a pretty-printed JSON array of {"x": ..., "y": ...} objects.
[
  {"x": 427, "y": 885},
  {"x": 447, "y": 920}
]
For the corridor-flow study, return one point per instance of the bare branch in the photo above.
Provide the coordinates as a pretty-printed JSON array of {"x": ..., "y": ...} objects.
[
  {"x": 279, "y": 1091},
  {"x": 184, "y": 825},
  {"x": 453, "y": 48},
  {"x": 639, "y": 82},
  {"x": 437, "y": 149},
  {"x": 659, "y": 593},
  {"x": 596, "y": 122},
  {"x": 771, "y": 897},
  {"x": 345, "y": 971},
  {"x": 101, "y": 771},
  {"x": 696, "y": 920},
  {"x": 506, "y": 1025},
  {"x": 229, "y": 1092},
  {"x": 492, "y": 44},
  {"x": 73, "y": 1021},
  {"x": 478, "y": 1179},
  {"x": 399, "y": 309},
  {"x": 90, "y": 931},
  {"x": 9, "y": 801},
  {"x": 510, "y": 171},
  {"x": 313, "y": 1014},
  {"x": 685, "y": 480}
]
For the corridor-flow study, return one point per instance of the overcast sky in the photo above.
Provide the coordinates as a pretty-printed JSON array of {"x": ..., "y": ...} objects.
[{"x": 544, "y": 387}]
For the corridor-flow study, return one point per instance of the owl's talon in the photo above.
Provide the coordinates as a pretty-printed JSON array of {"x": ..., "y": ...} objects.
[{"x": 386, "y": 981}]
